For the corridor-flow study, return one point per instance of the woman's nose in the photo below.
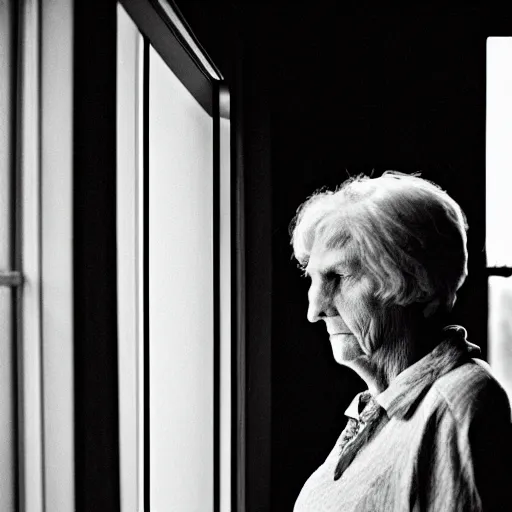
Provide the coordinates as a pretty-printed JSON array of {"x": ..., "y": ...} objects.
[{"x": 319, "y": 304}]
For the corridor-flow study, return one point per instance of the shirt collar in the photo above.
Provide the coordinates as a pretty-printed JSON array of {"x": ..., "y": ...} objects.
[
  {"x": 410, "y": 385},
  {"x": 358, "y": 404},
  {"x": 353, "y": 409}
]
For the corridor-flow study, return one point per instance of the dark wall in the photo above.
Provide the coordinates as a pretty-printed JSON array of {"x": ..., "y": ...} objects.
[{"x": 324, "y": 94}]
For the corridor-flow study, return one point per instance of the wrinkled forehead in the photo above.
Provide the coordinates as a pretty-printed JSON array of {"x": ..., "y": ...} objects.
[{"x": 332, "y": 255}]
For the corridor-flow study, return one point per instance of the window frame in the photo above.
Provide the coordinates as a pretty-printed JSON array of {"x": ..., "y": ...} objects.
[
  {"x": 162, "y": 25},
  {"x": 44, "y": 256},
  {"x": 67, "y": 358}
]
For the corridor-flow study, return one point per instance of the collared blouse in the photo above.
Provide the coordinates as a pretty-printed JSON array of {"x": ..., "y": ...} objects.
[{"x": 445, "y": 443}]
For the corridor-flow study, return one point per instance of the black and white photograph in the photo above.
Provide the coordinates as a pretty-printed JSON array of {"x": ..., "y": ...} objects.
[{"x": 255, "y": 256}]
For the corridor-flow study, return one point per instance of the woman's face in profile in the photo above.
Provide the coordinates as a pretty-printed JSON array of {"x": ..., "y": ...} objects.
[{"x": 340, "y": 294}]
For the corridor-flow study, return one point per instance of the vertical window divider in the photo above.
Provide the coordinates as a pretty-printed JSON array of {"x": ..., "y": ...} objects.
[
  {"x": 29, "y": 356},
  {"x": 145, "y": 257},
  {"x": 131, "y": 261},
  {"x": 217, "y": 340}
]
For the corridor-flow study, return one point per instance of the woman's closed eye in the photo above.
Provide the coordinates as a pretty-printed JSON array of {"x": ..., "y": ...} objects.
[{"x": 335, "y": 277}]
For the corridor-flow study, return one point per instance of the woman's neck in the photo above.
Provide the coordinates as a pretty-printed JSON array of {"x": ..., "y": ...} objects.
[{"x": 405, "y": 339}]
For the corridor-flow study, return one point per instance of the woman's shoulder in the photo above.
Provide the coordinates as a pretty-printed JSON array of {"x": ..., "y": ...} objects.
[{"x": 471, "y": 389}]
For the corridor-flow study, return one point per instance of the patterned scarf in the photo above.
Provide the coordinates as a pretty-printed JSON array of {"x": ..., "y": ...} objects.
[{"x": 358, "y": 432}]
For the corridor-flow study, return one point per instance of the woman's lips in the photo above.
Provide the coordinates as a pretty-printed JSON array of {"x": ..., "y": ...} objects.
[{"x": 335, "y": 326}]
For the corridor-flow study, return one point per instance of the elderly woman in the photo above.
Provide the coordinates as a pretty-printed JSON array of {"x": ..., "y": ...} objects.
[{"x": 386, "y": 257}]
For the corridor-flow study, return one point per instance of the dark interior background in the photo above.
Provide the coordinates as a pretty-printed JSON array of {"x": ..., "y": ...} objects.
[{"x": 320, "y": 92}]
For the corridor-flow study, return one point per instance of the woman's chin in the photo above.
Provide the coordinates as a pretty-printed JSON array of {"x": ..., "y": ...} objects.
[{"x": 345, "y": 348}]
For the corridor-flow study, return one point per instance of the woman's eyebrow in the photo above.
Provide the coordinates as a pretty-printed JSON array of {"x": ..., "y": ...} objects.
[
  {"x": 342, "y": 267},
  {"x": 331, "y": 263},
  {"x": 342, "y": 261},
  {"x": 333, "y": 268}
]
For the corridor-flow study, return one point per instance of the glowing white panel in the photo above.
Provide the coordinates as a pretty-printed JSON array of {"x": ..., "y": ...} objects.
[
  {"x": 499, "y": 203},
  {"x": 180, "y": 296},
  {"x": 500, "y": 330},
  {"x": 499, "y": 151}
]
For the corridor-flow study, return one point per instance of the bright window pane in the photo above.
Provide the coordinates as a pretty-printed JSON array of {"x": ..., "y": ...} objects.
[
  {"x": 499, "y": 203},
  {"x": 500, "y": 330},
  {"x": 180, "y": 295},
  {"x": 499, "y": 151}
]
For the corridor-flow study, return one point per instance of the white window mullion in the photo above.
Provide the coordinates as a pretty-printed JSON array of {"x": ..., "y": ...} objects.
[
  {"x": 29, "y": 321},
  {"x": 130, "y": 261},
  {"x": 57, "y": 253}
]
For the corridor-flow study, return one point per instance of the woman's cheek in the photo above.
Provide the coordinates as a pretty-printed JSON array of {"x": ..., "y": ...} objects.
[{"x": 368, "y": 316}]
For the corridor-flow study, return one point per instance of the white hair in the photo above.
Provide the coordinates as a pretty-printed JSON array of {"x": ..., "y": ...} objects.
[{"x": 405, "y": 231}]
